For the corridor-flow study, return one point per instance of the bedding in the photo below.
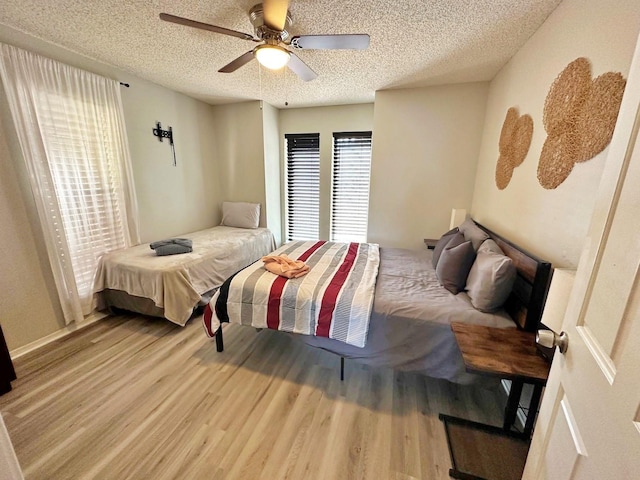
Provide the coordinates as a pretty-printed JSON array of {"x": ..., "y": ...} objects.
[
  {"x": 409, "y": 327},
  {"x": 172, "y": 285},
  {"x": 333, "y": 299}
]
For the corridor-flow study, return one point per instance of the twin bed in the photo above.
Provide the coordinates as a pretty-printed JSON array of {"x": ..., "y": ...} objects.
[
  {"x": 411, "y": 312},
  {"x": 171, "y": 286}
]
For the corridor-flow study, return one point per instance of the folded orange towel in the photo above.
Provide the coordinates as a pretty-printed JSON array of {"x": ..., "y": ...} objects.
[
  {"x": 275, "y": 268},
  {"x": 285, "y": 266}
]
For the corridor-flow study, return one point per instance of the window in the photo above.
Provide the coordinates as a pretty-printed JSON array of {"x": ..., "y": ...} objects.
[
  {"x": 350, "y": 186},
  {"x": 302, "y": 186},
  {"x": 82, "y": 157},
  {"x": 71, "y": 131}
]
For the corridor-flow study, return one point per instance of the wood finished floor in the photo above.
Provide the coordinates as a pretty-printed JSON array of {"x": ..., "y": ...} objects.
[{"x": 133, "y": 397}]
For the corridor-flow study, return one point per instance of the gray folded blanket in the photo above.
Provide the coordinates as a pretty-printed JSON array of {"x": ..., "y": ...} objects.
[{"x": 172, "y": 246}]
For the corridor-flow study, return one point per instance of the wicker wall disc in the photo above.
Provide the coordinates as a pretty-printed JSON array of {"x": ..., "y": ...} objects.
[
  {"x": 515, "y": 140},
  {"x": 557, "y": 159},
  {"x": 579, "y": 117},
  {"x": 598, "y": 117},
  {"x": 508, "y": 127},
  {"x": 504, "y": 172},
  {"x": 521, "y": 139},
  {"x": 566, "y": 96}
]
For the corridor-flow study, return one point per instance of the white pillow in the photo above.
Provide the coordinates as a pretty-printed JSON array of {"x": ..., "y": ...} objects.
[
  {"x": 240, "y": 214},
  {"x": 490, "y": 280}
]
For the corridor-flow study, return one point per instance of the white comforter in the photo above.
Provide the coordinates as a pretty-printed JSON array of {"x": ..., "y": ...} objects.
[{"x": 176, "y": 282}]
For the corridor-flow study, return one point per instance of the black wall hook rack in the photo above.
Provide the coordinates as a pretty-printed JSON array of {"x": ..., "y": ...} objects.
[{"x": 160, "y": 133}]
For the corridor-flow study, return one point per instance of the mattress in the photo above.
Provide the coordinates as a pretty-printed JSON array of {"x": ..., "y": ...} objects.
[{"x": 176, "y": 283}]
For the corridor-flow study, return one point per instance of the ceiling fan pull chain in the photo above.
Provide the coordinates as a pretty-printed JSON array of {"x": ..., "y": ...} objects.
[
  {"x": 260, "y": 81},
  {"x": 286, "y": 88}
]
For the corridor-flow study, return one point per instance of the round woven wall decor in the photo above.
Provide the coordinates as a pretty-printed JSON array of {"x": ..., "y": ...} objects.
[
  {"x": 556, "y": 160},
  {"x": 566, "y": 96},
  {"x": 579, "y": 118},
  {"x": 597, "y": 120},
  {"x": 504, "y": 172},
  {"x": 507, "y": 130},
  {"x": 521, "y": 139},
  {"x": 514, "y": 143}
]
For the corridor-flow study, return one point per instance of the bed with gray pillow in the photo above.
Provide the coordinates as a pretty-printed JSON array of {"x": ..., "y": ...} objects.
[{"x": 472, "y": 276}]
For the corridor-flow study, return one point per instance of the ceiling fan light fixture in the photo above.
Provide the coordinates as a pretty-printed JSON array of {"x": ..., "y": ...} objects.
[{"x": 273, "y": 57}]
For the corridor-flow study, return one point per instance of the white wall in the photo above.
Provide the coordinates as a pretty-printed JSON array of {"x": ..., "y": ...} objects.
[
  {"x": 272, "y": 170},
  {"x": 425, "y": 150},
  {"x": 172, "y": 200},
  {"x": 29, "y": 308},
  {"x": 325, "y": 121},
  {"x": 239, "y": 140},
  {"x": 551, "y": 223}
]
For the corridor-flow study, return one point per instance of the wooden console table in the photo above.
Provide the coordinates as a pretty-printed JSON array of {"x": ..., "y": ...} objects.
[{"x": 506, "y": 353}]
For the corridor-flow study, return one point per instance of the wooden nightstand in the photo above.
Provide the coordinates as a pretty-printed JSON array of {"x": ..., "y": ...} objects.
[
  {"x": 509, "y": 354},
  {"x": 430, "y": 243}
]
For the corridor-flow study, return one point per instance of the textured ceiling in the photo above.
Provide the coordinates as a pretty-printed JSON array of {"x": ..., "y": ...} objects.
[{"x": 413, "y": 43}]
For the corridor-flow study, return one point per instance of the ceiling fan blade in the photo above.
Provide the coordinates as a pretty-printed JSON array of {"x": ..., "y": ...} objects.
[
  {"x": 167, "y": 17},
  {"x": 275, "y": 13},
  {"x": 300, "y": 68},
  {"x": 237, "y": 63},
  {"x": 331, "y": 42}
]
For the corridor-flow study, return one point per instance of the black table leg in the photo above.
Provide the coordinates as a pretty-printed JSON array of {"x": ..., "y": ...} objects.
[
  {"x": 512, "y": 404},
  {"x": 533, "y": 410}
]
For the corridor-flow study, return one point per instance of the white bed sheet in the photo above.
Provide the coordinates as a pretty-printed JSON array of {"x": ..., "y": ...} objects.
[{"x": 177, "y": 282}]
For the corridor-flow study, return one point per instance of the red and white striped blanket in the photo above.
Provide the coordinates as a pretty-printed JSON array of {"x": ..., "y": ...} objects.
[{"x": 333, "y": 300}]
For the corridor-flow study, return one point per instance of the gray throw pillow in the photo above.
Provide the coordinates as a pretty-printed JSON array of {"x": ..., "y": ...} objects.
[
  {"x": 490, "y": 280},
  {"x": 490, "y": 245},
  {"x": 454, "y": 265},
  {"x": 474, "y": 233},
  {"x": 440, "y": 244}
]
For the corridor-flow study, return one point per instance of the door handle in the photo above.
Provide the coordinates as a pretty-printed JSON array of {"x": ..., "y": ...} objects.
[{"x": 550, "y": 339}]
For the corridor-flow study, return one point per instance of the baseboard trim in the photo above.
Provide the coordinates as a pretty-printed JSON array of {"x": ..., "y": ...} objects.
[{"x": 52, "y": 337}]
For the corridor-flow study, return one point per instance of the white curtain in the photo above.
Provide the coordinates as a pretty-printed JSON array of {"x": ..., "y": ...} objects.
[{"x": 71, "y": 130}]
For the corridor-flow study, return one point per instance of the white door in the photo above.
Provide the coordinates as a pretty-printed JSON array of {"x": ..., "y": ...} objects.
[{"x": 589, "y": 421}]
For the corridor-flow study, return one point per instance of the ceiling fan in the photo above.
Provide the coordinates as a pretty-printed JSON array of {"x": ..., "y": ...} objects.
[{"x": 271, "y": 21}]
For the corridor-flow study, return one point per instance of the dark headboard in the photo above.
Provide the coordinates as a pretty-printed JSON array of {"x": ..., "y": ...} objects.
[{"x": 529, "y": 294}]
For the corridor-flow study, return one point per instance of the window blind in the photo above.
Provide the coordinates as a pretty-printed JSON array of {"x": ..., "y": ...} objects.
[
  {"x": 303, "y": 186},
  {"x": 350, "y": 186},
  {"x": 81, "y": 156}
]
